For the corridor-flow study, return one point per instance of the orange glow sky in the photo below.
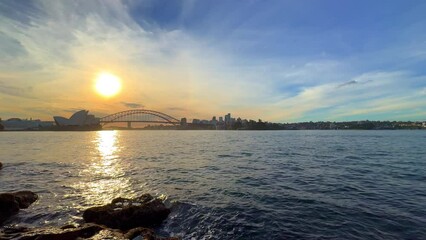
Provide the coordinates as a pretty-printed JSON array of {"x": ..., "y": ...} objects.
[{"x": 194, "y": 60}]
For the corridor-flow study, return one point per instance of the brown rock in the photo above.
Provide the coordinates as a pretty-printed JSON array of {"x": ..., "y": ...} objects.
[
  {"x": 87, "y": 231},
  {"x": 123, "y": 213},
  {"x": 8, "y": 206},
  {"x": 1, "y": 165},
  {"x": 10, "y": 203},
  {"x": 25, "y": 198}
]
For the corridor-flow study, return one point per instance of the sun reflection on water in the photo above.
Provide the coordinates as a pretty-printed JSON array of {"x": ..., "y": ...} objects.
[
  {"x": 105, "y": 177},
  {"x": 107, "y": 143}
]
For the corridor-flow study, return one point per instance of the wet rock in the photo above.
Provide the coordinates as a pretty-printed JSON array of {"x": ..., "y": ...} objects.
[
  {"x": 145, "y": 234},
  {"x": 68, "y": 226},
  {"x": 8, "y": 206},
  {"x": 10, "y": 203},
  {"x": 86, "y": 231},
  {"x": 123, "y": 213},
  {"x": 25, "y": 198}
]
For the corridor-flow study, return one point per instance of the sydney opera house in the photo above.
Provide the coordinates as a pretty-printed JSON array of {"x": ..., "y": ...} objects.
[{"x": 81, "y": 119}]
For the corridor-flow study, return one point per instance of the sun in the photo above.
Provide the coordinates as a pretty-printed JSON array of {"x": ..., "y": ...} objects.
[{"x": 107, "y": 84}]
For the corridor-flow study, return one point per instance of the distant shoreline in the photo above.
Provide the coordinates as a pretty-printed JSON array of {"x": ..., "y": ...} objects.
[
  {"x": 259, "y": 130},
  {"x": 240, "y": 125}
]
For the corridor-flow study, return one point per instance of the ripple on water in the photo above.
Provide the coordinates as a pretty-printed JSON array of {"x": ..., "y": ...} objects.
[{"x": 230, "y": 185}]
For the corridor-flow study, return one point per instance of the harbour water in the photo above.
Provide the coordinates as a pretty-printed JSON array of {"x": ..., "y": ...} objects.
[{"x": 229, "y": 184}]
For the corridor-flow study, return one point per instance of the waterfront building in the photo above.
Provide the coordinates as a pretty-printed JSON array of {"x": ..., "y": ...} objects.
[
  {"x": 80, "y": 118},
  {"x": 228, "y": 118},
  {"x": 220, "y": 126},
  {"x": 214, "y": 121},
  {"x": 16, "y": 124},
  {"x": 183, "y": 122},
  {"x": 195, "y": 121}
]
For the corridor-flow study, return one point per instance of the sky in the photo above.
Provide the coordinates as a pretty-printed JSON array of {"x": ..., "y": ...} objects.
[{"x": 279, "y": 61}]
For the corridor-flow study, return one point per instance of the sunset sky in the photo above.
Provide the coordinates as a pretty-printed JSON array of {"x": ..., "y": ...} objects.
[{"x": 280, "y": 61}]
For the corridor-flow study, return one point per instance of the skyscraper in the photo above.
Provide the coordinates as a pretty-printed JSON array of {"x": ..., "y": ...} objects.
[{"x": 228, "y": 118}]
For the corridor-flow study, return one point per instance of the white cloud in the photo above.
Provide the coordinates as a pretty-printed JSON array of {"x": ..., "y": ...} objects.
[
  {"x": 70, "y": 41},
  {"x": 371, "y": 93},
  {"x": 65, "y": 43}
]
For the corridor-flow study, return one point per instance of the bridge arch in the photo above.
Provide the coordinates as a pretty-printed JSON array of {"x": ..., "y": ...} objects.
[{"x": 139, "y": 115}]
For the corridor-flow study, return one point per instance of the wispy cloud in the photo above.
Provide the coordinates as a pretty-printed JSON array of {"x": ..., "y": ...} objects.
[
  {"x": 73, "y": 110},
  {"x": 380, "y": 92},
  {"x": 352, "y": 82},
  {"x": 223, "y": 62},
  {"x": 15, "y": 91},
  {"x": 132, "y": 105}
]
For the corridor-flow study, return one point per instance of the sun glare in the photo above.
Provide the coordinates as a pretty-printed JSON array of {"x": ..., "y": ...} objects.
[{"x": 107, "y": 84}]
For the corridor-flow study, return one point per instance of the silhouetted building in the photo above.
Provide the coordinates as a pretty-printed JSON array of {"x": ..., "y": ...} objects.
[
  {"x": 195, "y": 121},
  {"x": 80, "y": 118},
  {"x": 214, "y": 121},
  {"x": 14, "y": 124},
  {"x": 228, "y": 119}
]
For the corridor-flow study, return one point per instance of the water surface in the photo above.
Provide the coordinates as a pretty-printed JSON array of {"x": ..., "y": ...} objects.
[{"x": 230, "y": 184}]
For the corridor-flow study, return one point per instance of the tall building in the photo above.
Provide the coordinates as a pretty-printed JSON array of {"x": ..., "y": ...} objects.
[
  {"x": 228, "y": 118},
  {"x": 195, "y": 121},
  {"x": 214, "y": 121}
]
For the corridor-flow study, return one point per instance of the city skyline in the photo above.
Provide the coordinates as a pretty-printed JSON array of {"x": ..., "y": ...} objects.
[{"x": 280, "y": 61}]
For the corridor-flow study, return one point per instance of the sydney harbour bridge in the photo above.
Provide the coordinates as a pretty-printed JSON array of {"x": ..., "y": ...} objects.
[{"x": 139, "y": 116}]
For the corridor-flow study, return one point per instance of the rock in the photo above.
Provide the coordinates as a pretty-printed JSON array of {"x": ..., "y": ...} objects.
[
  {"x": 1, "y": 165},
  {"x": 124, "y": 214},
  {"x": 145, "y": 234},
  {"x": 8, "y": 206},
  {"x": 68, "y": 226},
  {"x": 86, "y": 231},
  {"x": 25, "y": 198},
  {"x": 10, "y": 203}
]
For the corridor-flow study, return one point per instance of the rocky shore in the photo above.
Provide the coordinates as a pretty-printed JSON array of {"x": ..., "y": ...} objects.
[
  {"x": 11, "y": 203},
  {"x": 123, "y": 218}
]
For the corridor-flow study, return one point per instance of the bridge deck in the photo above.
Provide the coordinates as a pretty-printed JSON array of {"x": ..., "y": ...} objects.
[{"x": 136, "y": 121}]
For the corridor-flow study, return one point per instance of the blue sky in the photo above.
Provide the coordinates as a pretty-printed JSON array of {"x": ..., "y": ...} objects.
[{"x": 280, "y": 61}]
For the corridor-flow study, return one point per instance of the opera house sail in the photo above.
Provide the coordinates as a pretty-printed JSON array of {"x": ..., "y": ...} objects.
[{"x": 80, "y": 120}]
